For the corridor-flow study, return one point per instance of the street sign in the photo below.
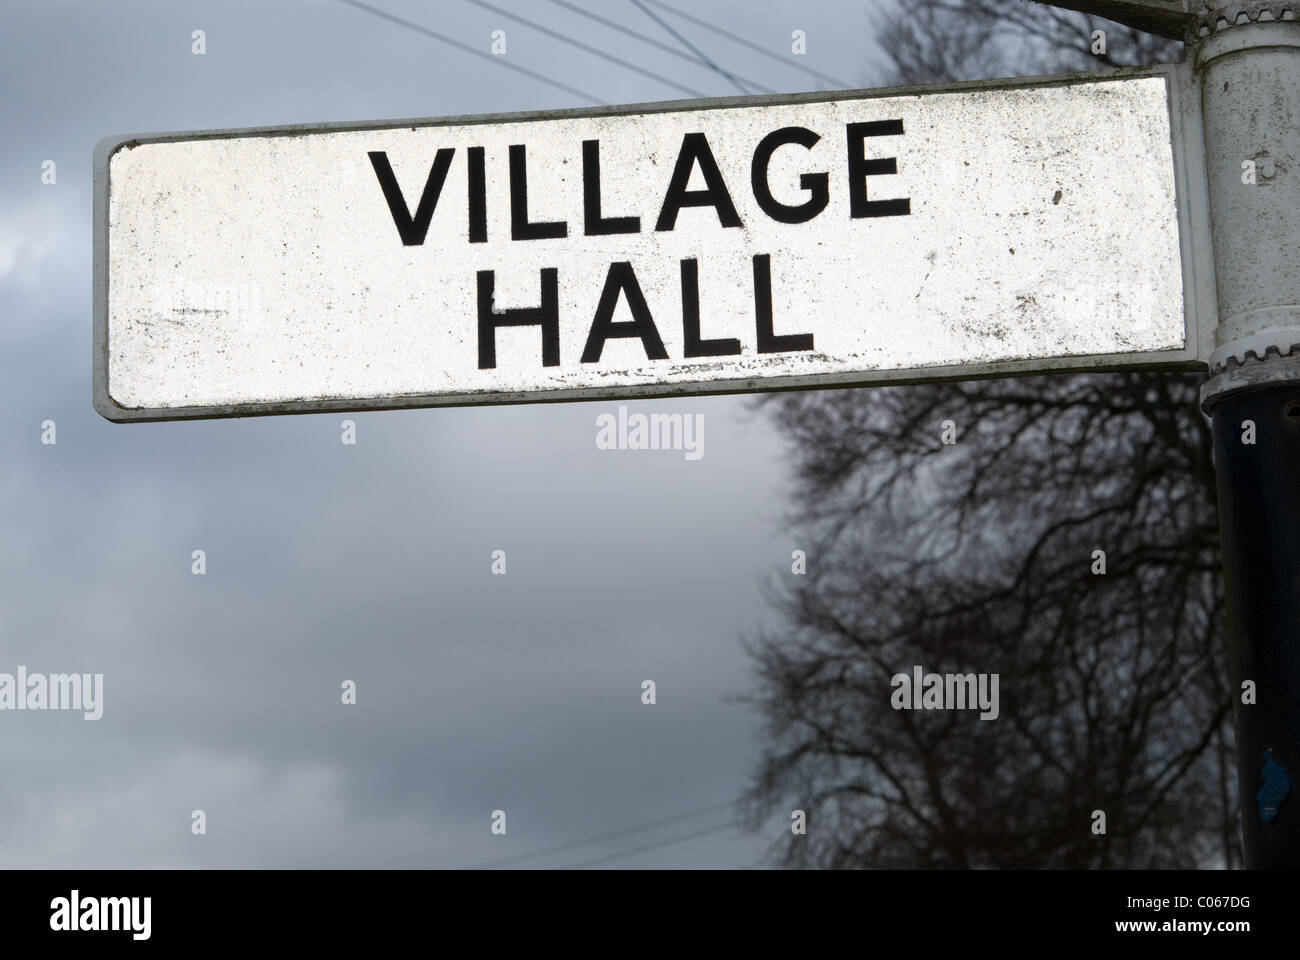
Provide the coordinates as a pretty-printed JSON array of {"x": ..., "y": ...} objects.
[{"x": 718, "y": 246}]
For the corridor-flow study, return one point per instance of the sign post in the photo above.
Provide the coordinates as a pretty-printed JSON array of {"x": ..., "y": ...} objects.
[
  {"x": 1250, "y": 75},
  {"x": 1246, "y": 60}
]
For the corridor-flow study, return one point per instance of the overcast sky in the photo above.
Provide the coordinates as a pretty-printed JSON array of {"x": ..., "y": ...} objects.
[{"x": 328, "y": 562}]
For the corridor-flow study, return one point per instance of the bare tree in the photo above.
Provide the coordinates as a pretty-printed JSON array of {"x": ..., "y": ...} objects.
[
  {"x": 928, "y": 41},
  {"x": 987, "y": 556}
]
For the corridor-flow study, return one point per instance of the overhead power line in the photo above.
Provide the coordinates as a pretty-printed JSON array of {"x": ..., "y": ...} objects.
[
  {"x": 646, "y": 848},
  {"x": 747, "y": 43},
  {"x": 688, "y": 45},
  {"x": 658, "y": 44},
  {"x": 594, "y": 51},
  {"x": 501, "y": 61},
  {"x": 599, "y": 838}
]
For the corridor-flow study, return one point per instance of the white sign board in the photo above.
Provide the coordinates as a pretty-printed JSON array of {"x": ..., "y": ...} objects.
[{"x": 694, "y": 247}]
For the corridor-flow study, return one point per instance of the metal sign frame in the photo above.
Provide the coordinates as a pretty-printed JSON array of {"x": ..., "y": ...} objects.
[
  {"x": 1166, "y": 18},
  {"x": 1193, "y": 229}
]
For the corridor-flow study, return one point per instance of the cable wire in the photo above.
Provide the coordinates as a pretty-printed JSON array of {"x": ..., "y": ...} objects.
[
  {"x": 594, "y": 51},
  {"x": 687, "y": 44},
  {"x": 658, "y": 44},
  {"x": 646, "y": 848},
  {"x": 474, "y": 50},
  {"x": 747, "y": 43},
  {"x": 614, "y": 835}
]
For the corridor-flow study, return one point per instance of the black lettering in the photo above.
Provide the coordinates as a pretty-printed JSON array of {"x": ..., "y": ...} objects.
[
  {"x": 860, "y": 168},
  {"x": 695, "y": 347},
  {"x": 769, "y": 342},
  {"x": 695, "y": 149},
  {"x": 621, "y": 279},
  {"x": 477, "y": 196},
  {"x": 817, "y": 184},
  {"x": 411, "y": 229},
  {"x": 520, "y": 228},
  {"x": 547, "y": 316},
  {"x": 594, "y": 225}
]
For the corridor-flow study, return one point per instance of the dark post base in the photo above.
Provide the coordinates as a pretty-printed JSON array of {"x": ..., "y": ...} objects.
[{"x": 1259, "y": 516}]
